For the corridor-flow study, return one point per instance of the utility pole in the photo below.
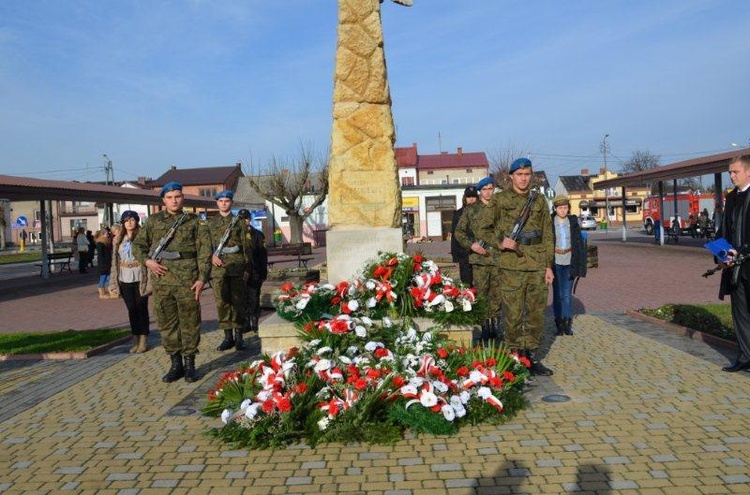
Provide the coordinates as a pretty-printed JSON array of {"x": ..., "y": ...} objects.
[
  {"x": 110, "y": 181},
  {"x": 604, "y": 150}
]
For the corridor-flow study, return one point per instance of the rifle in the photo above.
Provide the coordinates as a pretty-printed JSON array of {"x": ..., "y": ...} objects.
[
  {"x": 738, "y": 260},
  {"x": 225, "y": 238},
  {"x": 158, "y": 252},
  {"x": 523, "y": 217}
]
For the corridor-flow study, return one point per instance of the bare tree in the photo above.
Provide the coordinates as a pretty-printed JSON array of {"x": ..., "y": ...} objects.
[
  {"x": 287, "y": 181},
  {"x": 500, "y": 160},
  {"x": 640, "y": 161}
]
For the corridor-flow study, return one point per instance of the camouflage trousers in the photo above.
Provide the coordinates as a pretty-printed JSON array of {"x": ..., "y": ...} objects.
[
  {"x": 251, "y": 308},
  {"x": 487, "y": 283},
  {"x": 179, "y": 317},
  {"x": 524, "y": 296},
  {"x": 229, "y": 293}
]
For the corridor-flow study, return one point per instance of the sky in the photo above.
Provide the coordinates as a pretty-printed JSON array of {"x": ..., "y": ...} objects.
[{"x": 197, "y": 83}]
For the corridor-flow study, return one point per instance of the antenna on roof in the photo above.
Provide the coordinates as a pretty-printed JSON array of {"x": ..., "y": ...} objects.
[{"x": 440, "y": 143}]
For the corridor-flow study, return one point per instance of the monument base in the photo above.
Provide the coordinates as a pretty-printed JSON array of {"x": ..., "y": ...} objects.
[
  {"x": 277, "y": 334},
  {"x": 347, "y": 248}
]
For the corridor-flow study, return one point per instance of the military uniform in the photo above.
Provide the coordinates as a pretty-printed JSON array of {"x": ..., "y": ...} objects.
[
  {"x": 177, "y": 312},
  {"x": 486, "y": 269},
  {"x": 522, "y": 285},
  {"x": 227, "y": 280}
]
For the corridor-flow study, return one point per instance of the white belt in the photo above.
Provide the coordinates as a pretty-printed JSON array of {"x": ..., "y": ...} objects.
[{"x": 230, "y": 250}]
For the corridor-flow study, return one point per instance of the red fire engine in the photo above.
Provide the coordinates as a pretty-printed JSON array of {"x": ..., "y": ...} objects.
[{"x": 689, "y": 206}]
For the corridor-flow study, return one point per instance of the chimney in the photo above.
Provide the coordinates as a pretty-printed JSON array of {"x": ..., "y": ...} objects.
[
  {"x": 460, "y": 151},
  {"x": 173, "y": 167},
  {"x": 601, "y": 171},
  {"x": 584, "y": 171},
  {"x": 238, "y": 164}
]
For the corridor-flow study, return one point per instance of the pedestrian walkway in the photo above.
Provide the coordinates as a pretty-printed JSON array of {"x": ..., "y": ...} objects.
[{"x": 649, "y": 412}]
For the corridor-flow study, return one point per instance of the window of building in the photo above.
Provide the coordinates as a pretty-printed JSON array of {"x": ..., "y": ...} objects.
[
  {"x": 208, "y": 192},
  {"x": 430, "y": 172},
  {"x": 456, "y": 181},
  {"x": 469, "y": 171},
  {"x": 407, "y": 181}
]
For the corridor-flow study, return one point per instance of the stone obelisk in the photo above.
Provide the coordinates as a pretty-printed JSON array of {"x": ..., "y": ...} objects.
[{"x": 364, "y": 198}]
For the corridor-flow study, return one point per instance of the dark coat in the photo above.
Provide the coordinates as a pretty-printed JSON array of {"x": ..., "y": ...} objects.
[
  {"x": 259, "y": 254},
  {"x": 727, "y": 232},
  {"x": 104, "y": 258},
  {"x": 578, "y": 254},
  {"x": 460, "y": 255}
]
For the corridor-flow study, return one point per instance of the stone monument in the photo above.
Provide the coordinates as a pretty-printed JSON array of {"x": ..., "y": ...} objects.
[{"x": 364, "y": 196}]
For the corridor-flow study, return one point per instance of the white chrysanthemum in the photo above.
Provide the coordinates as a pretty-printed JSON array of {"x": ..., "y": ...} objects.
[
  {"x": 360, "y": 331},
  {"x": 323, "y": 423},
  {"x": 448, "y": 412},
  {"x": 245, "y": 404},
  {"x": 345, "y": 360},
  {"x": 387, "y": 323},
  {"x": 448, "y": 306},
  {"x": 484, "y": 392},
  {"x": 367, "y": 321},
  {"x": 226, "y": 415},
  {"x": 465, "y": 396},
  {"x": 428, "y": 399},
  {"x": 323, "y": 365},
  {"x": 324, "y": 350},
  {"x": 460, "y": 411},
  {"x": 352, "y": 350},
  {"x": 477, "y": 376},
  {"x": 252, "y": 411},
  {"x": 313, "y": 343},
  {"x": 353, "y": 305},
  {"x": 370, "y": 284},
  {"x": 465, "y": 305},
  {"x": 302, "y": 303},
  {"x": 327, "y": 287},
  {"x": 371, "y": 302},
  {"x": 440, "y": 386},
  {"x": 372, "y": 345}
]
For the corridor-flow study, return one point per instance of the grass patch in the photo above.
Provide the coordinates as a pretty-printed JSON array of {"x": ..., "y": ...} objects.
[
  {"x": 67, "y": 341},
  {"x": 713, "y": 319},
  {"x": 7, "y": 259}
]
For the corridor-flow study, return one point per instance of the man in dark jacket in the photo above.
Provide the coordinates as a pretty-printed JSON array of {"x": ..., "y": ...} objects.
[
  {"x": 459, "y": 253},
  {"x": 735, "y": 280},
  {"x": 258, "y": 274}
]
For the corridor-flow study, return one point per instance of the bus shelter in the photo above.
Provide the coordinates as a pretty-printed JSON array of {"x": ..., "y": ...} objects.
[{"x": 707, "y": 165}]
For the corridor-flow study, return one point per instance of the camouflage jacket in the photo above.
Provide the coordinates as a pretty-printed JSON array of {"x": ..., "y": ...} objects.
[
  {"x": 497, "y": 223},
  {"x": 236, "y": 263},
  {"x": 191, "y": 240},
  {"x": 467, "y": 232}
]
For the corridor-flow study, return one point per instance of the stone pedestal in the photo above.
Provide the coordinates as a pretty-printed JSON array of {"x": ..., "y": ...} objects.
[
  {"x": 277, "y": 334},
  {"x": 348, "y": 248}
]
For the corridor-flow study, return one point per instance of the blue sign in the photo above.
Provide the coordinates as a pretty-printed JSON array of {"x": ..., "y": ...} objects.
[{"x": 21, "y": 221}]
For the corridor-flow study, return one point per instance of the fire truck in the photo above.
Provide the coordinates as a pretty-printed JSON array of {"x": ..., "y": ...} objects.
[{"x": 689, "y": 206}]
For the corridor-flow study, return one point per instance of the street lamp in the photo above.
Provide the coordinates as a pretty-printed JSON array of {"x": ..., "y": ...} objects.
[{"x": 604, "y": 150}]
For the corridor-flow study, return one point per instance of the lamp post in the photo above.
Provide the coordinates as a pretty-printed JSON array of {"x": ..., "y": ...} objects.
[
  {"x": 110, "y": 180},
  {"x": 604, "y": 149}
]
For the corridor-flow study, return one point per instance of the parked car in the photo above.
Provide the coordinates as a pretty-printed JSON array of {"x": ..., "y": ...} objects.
[{"x": 587, "y": 222}]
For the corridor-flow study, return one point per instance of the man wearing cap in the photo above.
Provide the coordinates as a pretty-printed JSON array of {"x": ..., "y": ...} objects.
[
  {"x": 230, "y": 270},
  {"x": 178, "y": 277},
  {"x": 459, "y": 254},
  {"x": 483, "y": 257},
  {"x": 525, "y": 264}
]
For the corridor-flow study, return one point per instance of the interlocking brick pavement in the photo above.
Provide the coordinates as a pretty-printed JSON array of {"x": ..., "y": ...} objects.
[{"x": 649, "y": 413}]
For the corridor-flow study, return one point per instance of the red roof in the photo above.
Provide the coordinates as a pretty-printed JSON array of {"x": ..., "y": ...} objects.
[
  {"x": 453, "y": 160},
  {"x": 406, "y": 157}
]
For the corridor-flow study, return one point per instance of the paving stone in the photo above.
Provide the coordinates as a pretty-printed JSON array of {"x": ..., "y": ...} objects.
[
  {"x": 299, "y": 480},
  {"x": 735, "y": 478}
]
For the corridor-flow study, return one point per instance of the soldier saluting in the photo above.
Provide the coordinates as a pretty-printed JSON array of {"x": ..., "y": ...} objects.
[
  {"x": 176, "y": 247},
  {"x": 231, "y": 267}
]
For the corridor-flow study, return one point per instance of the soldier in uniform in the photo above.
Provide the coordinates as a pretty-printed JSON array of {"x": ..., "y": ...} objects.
[
  {"x": 258, "y": 274},
  {"x": 484, "y": 259},
  {"x": 525, "y": 264},
  {"x": 179, "y": 273},
  {"x": 230, "y": 270}
]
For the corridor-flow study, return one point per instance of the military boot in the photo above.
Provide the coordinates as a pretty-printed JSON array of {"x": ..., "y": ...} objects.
[
  {"x": 239, "y": 344},
  {"x": 537, "y": 368},
  {"x": 176, "y": 371},
  {"x": 228, "y": 341},
  {"x": 568, "y": 326},
  {"x": 190, "y": 374},
  {"x": 498, "y": 329},
  {"x": 486, "y": 330}
]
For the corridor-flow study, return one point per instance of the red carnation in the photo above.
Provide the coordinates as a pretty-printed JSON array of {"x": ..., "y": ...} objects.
[
  {"x": 360, "y": 384},
  {"x": 442, "y": 353},
  {"x": 301, "y": 388},
  {"x": 462, "y": 371},
  {"x": 398, "y": 381},
  {"x": 284, "y": 404},
  {"x": 267, "y": 406},
  {"x": 287, "y": 287},
  {"x": 491, "y": 362}
]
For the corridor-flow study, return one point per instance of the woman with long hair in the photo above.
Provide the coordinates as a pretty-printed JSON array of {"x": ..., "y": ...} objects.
[
  {"x": 131, "y": 279},
  {"x": 103, "y": 243}
]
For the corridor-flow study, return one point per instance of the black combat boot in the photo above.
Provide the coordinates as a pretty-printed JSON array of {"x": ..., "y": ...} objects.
[
  {"x": 176, "y": 371},
  {"x": 190, "y": 374},
  {"x": 498, "y": 329},
  {"x": 568, "y": 326},
  {"x": 537, "y": 368},
  {"x": 228, "y": 341},
  {"x": 559, "y": 324},
  {"x": 239, "y": 343}
]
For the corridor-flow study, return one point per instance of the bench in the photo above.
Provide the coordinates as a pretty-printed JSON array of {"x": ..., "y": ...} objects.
[
  {"x": 61, "y": 259},
  {"x": 300, "y": 252}
]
